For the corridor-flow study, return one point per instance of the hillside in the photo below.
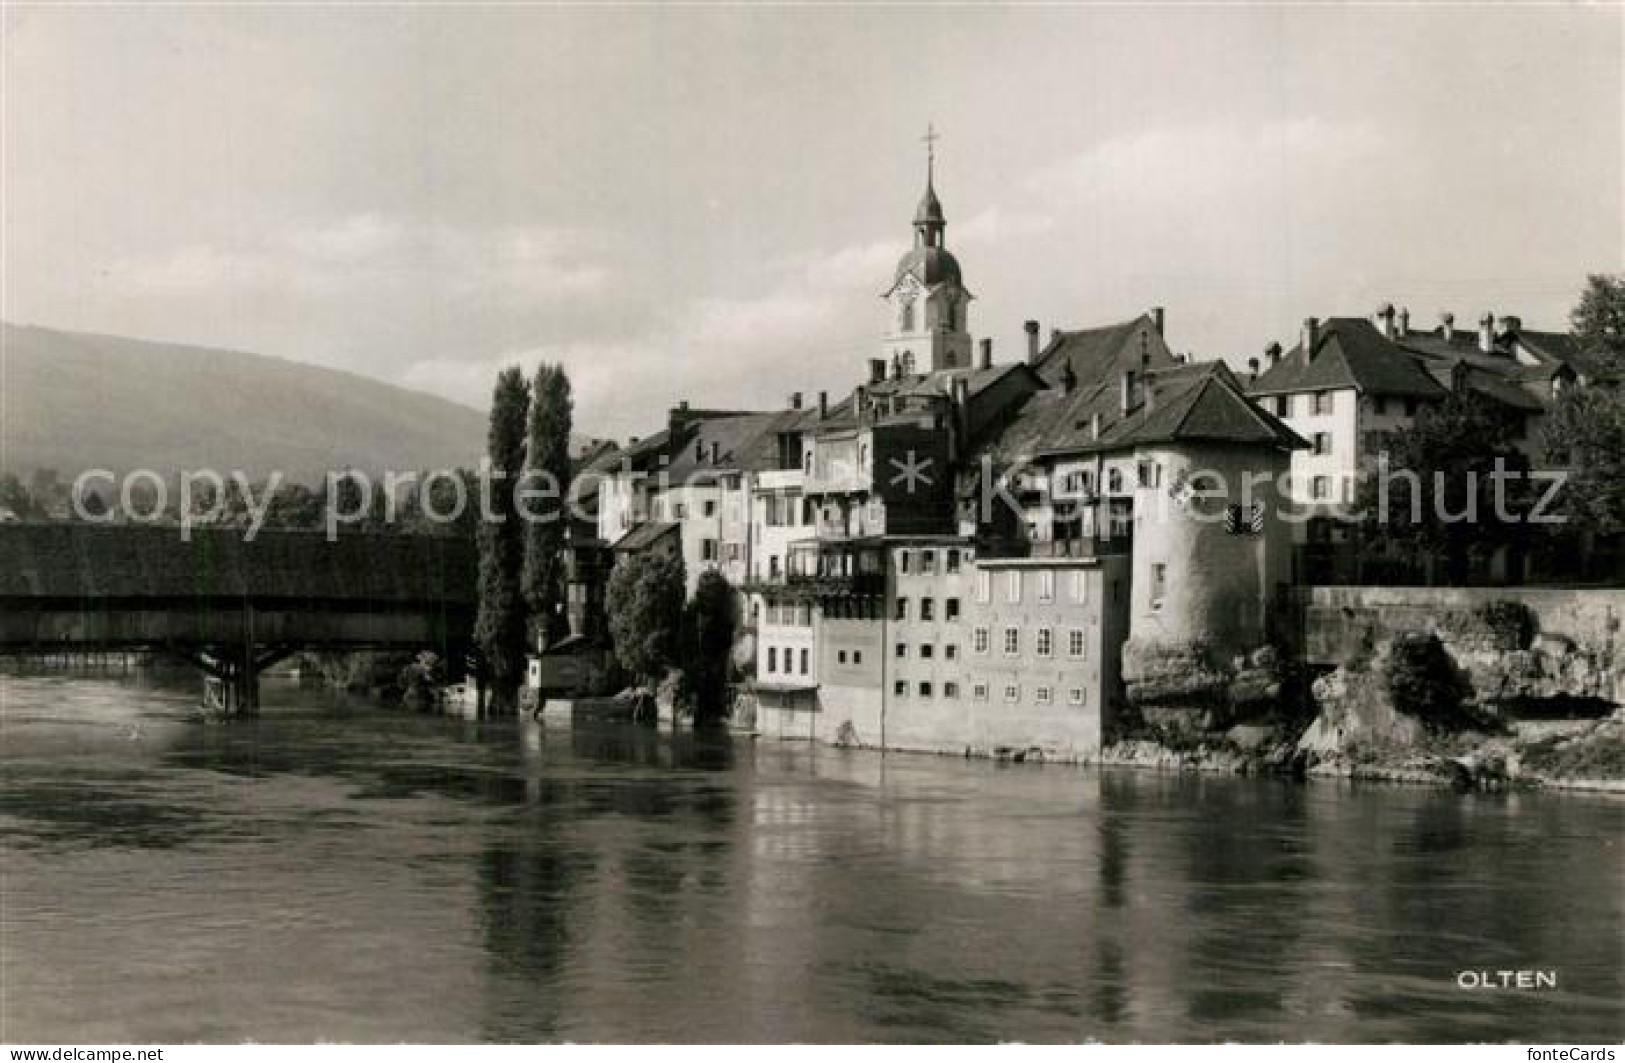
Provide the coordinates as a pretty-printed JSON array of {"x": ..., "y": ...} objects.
[{"x": 71, "y": 401}]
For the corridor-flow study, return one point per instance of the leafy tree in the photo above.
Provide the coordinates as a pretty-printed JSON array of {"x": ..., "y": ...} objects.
[
  {"x": 1423, "y": 681},
  {"x": 293, "y": 507},
  {"x": 499, "y": 627},
  {"x": 712, "y": 620},
  {"x": 1585, "y": 434},
  {"x": 1439, "y": 496},
  {"x": 1598, "y": 322},
  {"x": 548, "y": 463},
  {"x": 645, "y": 601}
]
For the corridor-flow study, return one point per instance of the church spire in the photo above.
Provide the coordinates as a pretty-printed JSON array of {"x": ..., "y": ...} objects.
[{"x": 929, "y": 221}]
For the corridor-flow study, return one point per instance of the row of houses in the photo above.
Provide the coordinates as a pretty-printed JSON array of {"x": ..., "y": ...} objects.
[{"x": 956, "y": 554}]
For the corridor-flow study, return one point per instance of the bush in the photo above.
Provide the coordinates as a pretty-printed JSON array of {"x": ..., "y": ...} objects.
[
  {"x": 1423, "y": 681},
  {"x": 1511, "y": 622}
]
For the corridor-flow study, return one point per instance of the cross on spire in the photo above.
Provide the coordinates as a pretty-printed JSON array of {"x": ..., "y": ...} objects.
[{"x": 931, "y": 137}]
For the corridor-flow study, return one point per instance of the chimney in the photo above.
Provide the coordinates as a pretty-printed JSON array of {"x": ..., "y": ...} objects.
[
  {"x": 1311, "y": 338},
  {"x": 1032, "y": 340},
  {"x": 1094, "y": 425},
  {"x": 1385, "y": 320},
  {"x": 1404, "y": 328},
  {"x": 1069, "y": 379},
  {"x": 1272, "y": 354},
  {"x": 1447, "y": 324},
  {"x": 1157, "y": 318},
  {"x": 877, "y": 370},
  {"x": 1486, "y": 332},
  {"x": 823, "y": 405},
  {"x": 1511, "y": 323},
  {"x": 1054, "y": 335},
  {"x": 986, "y": 360},
  {"x": 860, "y": 404},
  {"x": 716, "y": 452},
  {"x": 1252, "y": 367},
  {"x": 1125, "y": 391},
  {"x": 795, "y": 400},
  {"x": 699, "y": 450}
]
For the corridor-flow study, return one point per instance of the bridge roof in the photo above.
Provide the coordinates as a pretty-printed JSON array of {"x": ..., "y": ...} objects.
[{"x": 75, "y": 561}]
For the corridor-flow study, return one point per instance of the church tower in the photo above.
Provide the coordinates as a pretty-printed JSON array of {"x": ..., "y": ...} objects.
[{"x": 928, "y": 303}]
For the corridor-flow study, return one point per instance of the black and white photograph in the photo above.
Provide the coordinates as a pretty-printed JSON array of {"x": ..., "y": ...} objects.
[{"x": 815, "y": 523}]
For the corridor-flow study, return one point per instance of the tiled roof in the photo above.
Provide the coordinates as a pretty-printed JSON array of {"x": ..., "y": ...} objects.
[
  {"x": 1350, "y": 353},
  {"x": 1098, "y": 355},
  {"x": 1199, "y": 402},
  {"x": 109, "y": 562},
  {"x": 644, "y": 535}
]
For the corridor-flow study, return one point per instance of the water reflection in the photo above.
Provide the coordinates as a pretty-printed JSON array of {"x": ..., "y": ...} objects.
[{"x": 333, "y": 870}]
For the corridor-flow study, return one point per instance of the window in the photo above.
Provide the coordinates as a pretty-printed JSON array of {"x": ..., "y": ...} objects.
[
  {"x": 1379, "y": 405},
  {"x": 735, "y": 552},
  {"x": 709, "y": 507},
  {"x": 772, "y": 658},
  {"x": 708, "y": 549},
  {"x": 1114, "y": 481},
  {"x": 928, "y": 608},
  {"x": 902, "y": 561},
  {"x": 927, "y": 651},
  {"x": 900, "y": 688},
  {"x": 928, "y": 561},
  {"x": 1148, "y": 472},
  {"x": 1075, "y": 645},
  {"x": 803, "y": 662},
  {"x": 1042, "y": 695},
  {"x": 1320, "y": 487},
  {"x": 1012, "y": 641},
  {"x": 1410, "y": 407},
  {"x": 1159, "y": 584},
  {"x": 951, "y": 609},
  {"x": 1012, "y": 692},
  {"x": 840, "y": 657},
  {"x": 902, "y": 650},
  {"x": 773, "y": 566},
  {"x": 979, "y": 691},
  {"x": 925, "y": 690},
  {"x": 951, "y": 651},
  {"x": 902, "y": 608},
  {"x": 1074, "y": 696},
  {"x": 984, "y": 585},
  {"x": 857, "y": 656},
  {"x": 1046, "y": 586},
  {"x": 1080, "y": 586},
  {"x": 950, "y": 691},
  {"x": 1012, "y": 586},
  {"x": 1283, "y": 405},
  {"x": 979, "y": 640},
  {"x": 1045, "y": 642},
  {"x": 953, "y": 561},
  {"x": 906, "y": 322},
  {"x": 1323, "y": 403},
  {"x": 1323, "y": 442}
]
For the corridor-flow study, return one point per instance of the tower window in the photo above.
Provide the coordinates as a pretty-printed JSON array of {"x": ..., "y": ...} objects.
[{"x": 906, "y": 319}]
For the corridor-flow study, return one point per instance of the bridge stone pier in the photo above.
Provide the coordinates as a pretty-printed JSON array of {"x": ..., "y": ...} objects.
[{"x": 231, "y": 607}]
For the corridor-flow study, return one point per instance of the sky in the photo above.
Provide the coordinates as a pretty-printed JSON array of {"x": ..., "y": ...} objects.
[{"x": 705, "y": 203}]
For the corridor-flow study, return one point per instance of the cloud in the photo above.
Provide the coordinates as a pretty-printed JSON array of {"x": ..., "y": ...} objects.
[{"x": 353, "y": 257}]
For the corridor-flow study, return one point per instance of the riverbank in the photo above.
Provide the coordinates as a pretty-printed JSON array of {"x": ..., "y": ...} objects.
[{"x": 1580, "y": 755}]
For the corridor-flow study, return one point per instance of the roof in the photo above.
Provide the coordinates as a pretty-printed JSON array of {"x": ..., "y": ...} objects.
[
  {"x": 1350, "y": 353},
  {"x": 733, "y": 438},
  {"x": 1098, "y": 355},
  {"x": 1199, "y": 402},
  {"x": 645, "y": 535},
  {"x": 1563, "y": 347},
  {"x": 1195, "y": 402},
  {"x": 931, "y": 264},
  {"x": 126, "y": 561},
  {"x": 1496, "y": 386}
]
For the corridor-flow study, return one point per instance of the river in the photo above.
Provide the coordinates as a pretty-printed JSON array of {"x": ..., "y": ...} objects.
[{"x": 339, "y": 871}]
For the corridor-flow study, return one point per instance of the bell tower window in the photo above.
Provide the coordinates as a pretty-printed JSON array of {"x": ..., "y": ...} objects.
[{"x": 906, "y": 322}]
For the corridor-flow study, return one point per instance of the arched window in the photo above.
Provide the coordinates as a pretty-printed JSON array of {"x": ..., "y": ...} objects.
[
  {"x": 906, "y": 320},
  {"x": 950, "y": 310}
]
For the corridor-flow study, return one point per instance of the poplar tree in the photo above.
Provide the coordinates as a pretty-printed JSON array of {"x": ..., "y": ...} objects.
[
  {"x": 547, "y": 520},
  {"x": 499, "y": 628}
]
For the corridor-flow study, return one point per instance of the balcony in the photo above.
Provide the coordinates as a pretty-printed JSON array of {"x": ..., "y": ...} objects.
[{"x": 819, "y": 567}]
